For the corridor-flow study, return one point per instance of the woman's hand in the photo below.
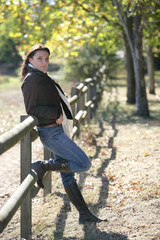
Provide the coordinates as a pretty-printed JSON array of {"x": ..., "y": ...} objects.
[{"x": 60, "y": 119}]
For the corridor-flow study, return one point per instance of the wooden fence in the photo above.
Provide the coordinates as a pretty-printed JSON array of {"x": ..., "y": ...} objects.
[{"x": 83, "y": 101}]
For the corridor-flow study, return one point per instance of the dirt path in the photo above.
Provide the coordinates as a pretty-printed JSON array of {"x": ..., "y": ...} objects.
[
  {"x": 123, "y": 184},
  {"x": 11, "y": 103}
]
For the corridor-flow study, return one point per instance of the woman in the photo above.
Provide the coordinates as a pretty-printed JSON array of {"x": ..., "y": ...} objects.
[{"x": 43, "y": 99}]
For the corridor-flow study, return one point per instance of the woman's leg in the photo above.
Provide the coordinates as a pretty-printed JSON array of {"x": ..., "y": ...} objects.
[
  {"x": 57, "y": 142},
  {"x": 64, "y": 148},
  {"x": 78, "y": 201},
  {"x": 67, "y": 178},
  {"x": 74, "y": 194},
  {"x": 71, "y": 157}
]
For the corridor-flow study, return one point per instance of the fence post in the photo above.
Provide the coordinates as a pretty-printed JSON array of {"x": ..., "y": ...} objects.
[
  {"x": 48, "y": 182},
  {"x": 73, "y": 92},
  {"x": 89, "y": 99},
  {"x": 94, "y": 93},
  {"x": 83, "y": 101},
  {"x": 26, "y": 207},
  {"x": 79, "y": 103}
]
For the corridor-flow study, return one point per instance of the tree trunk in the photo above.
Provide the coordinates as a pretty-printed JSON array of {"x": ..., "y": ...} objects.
[
  {"x": 135, "y": 41},
  {"x": 138, "y": 62},
  {"x": 150, "y": 68},
  {"x": 131, "y": 86}
]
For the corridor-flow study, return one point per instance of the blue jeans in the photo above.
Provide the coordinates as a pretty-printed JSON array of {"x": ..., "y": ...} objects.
[{"x": 62, "y": 147}]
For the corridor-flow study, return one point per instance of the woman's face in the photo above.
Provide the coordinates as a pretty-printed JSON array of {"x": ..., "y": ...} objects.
[{"x": 40, "y": 60}]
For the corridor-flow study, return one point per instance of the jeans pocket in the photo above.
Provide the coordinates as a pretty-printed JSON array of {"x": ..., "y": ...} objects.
[{"x": 54, "y": 132}]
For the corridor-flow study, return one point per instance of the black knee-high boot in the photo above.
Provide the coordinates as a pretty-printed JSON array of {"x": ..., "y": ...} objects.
[
  {"x": 77, "y": 200},
  {"x": 41, "y": 167}
]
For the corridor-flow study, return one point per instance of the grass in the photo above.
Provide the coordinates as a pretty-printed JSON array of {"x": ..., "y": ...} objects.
[{"x": 9, "y": 82}]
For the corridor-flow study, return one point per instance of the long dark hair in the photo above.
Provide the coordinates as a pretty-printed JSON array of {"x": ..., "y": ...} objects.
[{"x": 37, "y": 47}]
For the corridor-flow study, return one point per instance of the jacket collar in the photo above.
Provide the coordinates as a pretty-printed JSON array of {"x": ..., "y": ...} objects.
[{"x": 31, "y": 68}]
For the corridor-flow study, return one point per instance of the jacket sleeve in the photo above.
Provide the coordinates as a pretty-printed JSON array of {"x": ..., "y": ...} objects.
[{"x": 30, "y": 94}]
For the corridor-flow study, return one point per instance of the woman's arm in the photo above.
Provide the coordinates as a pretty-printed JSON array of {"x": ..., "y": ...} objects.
[{"x": 30, "y": 94}]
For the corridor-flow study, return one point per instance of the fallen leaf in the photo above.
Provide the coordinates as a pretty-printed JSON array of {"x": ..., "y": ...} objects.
[
  {"x": 4, "y": 195},
  {"x": 145, "y": 154}
]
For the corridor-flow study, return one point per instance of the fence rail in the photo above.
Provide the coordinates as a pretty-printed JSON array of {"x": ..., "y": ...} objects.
[
  {"x": 83, "y": 101},
  {"x": 10, "y": 138}
]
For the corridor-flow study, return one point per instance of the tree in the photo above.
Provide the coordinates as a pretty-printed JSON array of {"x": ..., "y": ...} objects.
[
  {"x": 131, "y": 85},
  {"x": 150, "y": 67},
  {"x": 152, "y": 40},
  {"x": 134, "y": 36},
  {"x": 27, "y": 22}
]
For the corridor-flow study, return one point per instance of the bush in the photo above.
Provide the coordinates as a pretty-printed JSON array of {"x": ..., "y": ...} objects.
[
  {"x": 9, "y": 53},
  {"x": 90, "y": 59}
]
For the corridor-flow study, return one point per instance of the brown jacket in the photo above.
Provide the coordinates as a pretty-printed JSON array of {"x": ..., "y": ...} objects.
[{"x": 42, "y": 99}]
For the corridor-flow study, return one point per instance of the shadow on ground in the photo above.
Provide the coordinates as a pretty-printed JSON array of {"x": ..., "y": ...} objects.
[{"x": 91, "y": 231}]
